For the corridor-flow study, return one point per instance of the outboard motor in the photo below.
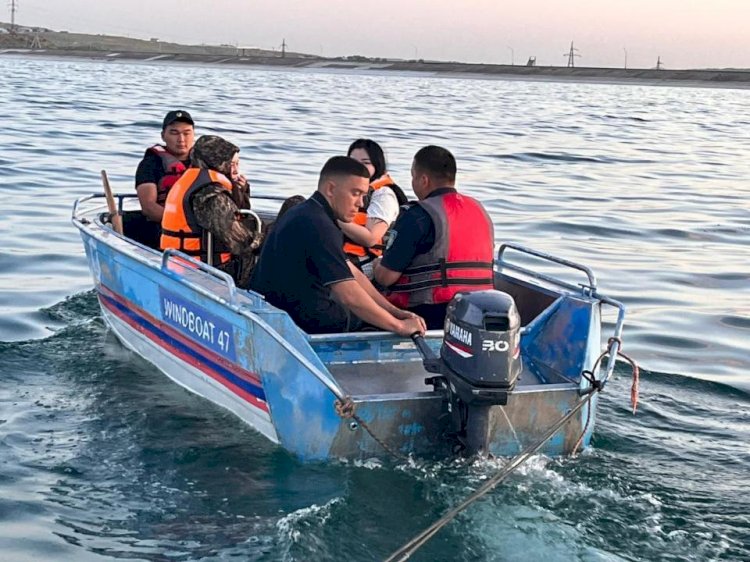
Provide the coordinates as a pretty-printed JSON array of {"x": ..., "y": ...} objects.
[
  {"x": 480, "y": 350},
  {"x": 480, "y": 362}
]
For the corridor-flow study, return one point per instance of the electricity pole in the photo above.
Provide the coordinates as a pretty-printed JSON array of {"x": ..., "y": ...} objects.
[
  {"x": 626, "y": 57},
  {"x": 571, "y": 54},
  {"x": 12, "y": 16},
  {"x": 283, "y": 48}
]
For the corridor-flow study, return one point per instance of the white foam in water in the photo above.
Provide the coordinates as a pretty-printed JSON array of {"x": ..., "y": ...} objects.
[{"x": 317, "y": 515}]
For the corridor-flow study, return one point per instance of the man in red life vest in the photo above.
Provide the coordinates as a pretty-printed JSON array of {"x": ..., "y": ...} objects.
[
  {"x": 441, "y": 245},
  {"x": 162, "y": 165}
]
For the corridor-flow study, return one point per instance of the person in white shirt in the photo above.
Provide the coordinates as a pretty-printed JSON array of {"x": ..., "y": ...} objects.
[{"x": 364, "y": 235}]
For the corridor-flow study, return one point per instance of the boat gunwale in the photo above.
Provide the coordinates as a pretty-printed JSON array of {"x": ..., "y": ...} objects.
[
  {"x": 156, "y": 260},
  {"x": 428, "y": 394},
  {"x": 103, "y": 232}
]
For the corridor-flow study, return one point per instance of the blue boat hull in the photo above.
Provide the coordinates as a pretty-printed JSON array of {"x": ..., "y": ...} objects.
[{"x": 240, "y": 353}]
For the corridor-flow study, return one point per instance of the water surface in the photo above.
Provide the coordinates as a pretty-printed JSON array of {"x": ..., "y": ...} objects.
[{"x": 102, "y": 457}]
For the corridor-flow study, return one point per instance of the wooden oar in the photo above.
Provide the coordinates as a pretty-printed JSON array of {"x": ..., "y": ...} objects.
[{"x": 116, "y": 218}]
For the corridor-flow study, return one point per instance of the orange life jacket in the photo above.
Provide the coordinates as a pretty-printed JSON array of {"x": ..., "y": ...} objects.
[
  {"x": 179, "y": 228},
  {"x": 460, "y": 260},
  {"x": 354, "y": 249},
  {"x": 173, "y": 169}
]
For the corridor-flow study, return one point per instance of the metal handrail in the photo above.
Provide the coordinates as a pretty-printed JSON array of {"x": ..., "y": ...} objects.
[
  {"x": 616, "y": 339},
  {"x": 210, "y": 236},
  {"x": 120, "y": 198},
  {"x": 251, "y": 213},
  {"x": 523, "y": 249},
  {"x": 614, "y": 342},
  {"x": 82, "y": 200},
  {"x": 171, "y": 252}
]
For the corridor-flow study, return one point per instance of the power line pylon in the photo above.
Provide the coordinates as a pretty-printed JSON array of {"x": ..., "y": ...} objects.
[
  {"x": 283, "y": 48},
  {"x": 659, "y": 65},
  {"x": 571, "y": 54},
  {"x": 12, "y": 16}
]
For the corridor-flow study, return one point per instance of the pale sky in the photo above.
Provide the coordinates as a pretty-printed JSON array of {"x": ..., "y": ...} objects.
[{"x": 685, "y": 33}]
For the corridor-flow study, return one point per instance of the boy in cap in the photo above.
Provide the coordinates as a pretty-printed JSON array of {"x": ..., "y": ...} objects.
[{"x": 162, "y": 165}]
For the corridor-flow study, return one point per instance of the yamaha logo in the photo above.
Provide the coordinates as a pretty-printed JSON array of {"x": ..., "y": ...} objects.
[{"x": 457, "y": 332}]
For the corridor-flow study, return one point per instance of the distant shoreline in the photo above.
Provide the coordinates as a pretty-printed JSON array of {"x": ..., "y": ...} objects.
[
  {"x": 43, "y": 42},
  {"x": 691, "y": 78}
]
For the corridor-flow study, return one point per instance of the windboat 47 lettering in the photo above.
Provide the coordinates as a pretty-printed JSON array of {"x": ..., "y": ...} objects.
[{"x": 197, "y": 323}]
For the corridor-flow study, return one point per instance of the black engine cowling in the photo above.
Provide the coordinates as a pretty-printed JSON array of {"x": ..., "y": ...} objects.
[{"x": 480, "y": 352}]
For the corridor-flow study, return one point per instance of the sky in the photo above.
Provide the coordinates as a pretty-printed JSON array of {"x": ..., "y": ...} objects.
[{"x": 684, "y": 33}]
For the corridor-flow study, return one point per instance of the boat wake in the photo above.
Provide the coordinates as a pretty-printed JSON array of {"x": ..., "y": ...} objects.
[{"x": 87, "y": 425}]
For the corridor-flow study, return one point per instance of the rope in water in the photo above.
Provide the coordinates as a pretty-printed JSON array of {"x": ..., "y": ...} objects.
[
  {"x": 414, "y": 544},
  {"x": 419, "y": 540}
]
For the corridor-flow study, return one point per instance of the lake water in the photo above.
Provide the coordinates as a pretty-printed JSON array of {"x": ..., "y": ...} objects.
[{"x": 103, "y": 457}]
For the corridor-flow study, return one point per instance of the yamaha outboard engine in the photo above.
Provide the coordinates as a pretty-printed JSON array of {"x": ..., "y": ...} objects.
[
  {"x": 480, "y": 362},
  {"x": 480, "y": 349}
]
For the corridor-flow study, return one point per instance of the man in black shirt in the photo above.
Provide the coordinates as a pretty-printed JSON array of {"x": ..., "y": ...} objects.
[
  {"x": 162, "y": 165},
  {"x": 304, "y": 271}
]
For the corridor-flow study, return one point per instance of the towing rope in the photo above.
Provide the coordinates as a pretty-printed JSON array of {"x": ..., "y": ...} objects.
[
  {"x": 596, "y": 385},
  {"x": 419, "y": 540},
  {"x": 414, "y": 544},
  {"x": 347, "y": 410}
]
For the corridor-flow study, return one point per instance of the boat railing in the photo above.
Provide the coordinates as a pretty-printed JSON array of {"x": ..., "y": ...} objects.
[
  {"x": 233, "y": 303},
  {"x": 120, "y": 200},
  {"x": 503, "y": 262},
  {"x": 206, "y": 268},
  {"x": 210, "y": 237},
  {"x": 121, "y": 197},
  {"x": 614, "y": 343}
]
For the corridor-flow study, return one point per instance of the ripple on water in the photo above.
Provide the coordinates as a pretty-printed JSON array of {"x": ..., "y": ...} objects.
[{"x": 742, "y": 322}]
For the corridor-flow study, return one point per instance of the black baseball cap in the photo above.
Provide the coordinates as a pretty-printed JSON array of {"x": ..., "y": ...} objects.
[{"x": 178, "y": 115}]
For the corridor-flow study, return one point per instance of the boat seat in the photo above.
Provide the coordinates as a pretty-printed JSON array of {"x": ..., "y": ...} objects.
[
  {"x": 369, "y": 379},
  {"x": 137, "y": 227}
]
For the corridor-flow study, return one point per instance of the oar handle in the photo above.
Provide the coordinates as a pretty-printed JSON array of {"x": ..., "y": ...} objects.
[{"x": 116, "y": 217}]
